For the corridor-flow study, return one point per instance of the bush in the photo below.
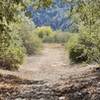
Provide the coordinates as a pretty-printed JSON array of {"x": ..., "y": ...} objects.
[
  {"x": 91, "y": 44},
  {"x": 62, "y": 37},
  {"x": 11, "y": 51},
  {"x": 32, "y": 43},
  {"x": 49, "y": 39},
  {"x": 50, "y": 36},
  {"x": 84, "y": 48},
  {"x": 76, "y": 51},
  {"x": 45, "y": 33}
]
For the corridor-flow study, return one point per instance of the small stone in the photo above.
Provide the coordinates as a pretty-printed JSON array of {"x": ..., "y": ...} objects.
[
  {"x": 61, "y": 98},
  {"x": 98, "y": 84},
  {"x": 53, "y": 65},
  {"x": 41, "y": 99},
  {"x": 19, "y": 99}
]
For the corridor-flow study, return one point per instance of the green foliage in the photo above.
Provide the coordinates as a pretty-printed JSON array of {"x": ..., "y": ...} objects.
[
  {"x": 49, "y": 39},
  {"x": 84, "y": 48},
  {"x": 11, "y": 51},
  {"x": 45, "y": 33},
  {"x": 11, "y": 48},
  {"x": 86, "y": 14},
  {"x": 73, "y": 41},
  {"x": 62, "y": 37},
  {"x": 91, "y": 42},
  {"x": 32, "y": 43},
  {"x": 44, "y": 3},
  {"x": 76, "y": 51},
  {"x": 50, "y": 36}
]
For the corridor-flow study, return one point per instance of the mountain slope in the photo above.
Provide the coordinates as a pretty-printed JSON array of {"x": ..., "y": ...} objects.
[{"x": 53, "y": 16}]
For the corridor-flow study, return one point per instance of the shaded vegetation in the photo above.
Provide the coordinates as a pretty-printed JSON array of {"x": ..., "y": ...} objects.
[
  {"x": 12, "y": 50},
  {"x": 44, "y": 33},
  {"x": 86, "y": 14}
]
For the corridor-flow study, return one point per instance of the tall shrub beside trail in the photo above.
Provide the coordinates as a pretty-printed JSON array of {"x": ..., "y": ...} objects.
[
  {"x": 86, "y": 14},
  {"x": 31, "y": 41},
  {"x": 76, "y": 50},
  {"x": 91, "y": 43},
  {"x": 11, "y": 50},
  {"x": 84, "y": 48}
]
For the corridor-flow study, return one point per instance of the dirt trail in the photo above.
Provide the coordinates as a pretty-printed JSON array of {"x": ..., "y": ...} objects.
[
  {"x": 52, "y": 65},
  {"x": 49, "y": 76}
]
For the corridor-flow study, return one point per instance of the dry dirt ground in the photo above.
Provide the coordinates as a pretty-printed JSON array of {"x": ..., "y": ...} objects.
[
  {"x": 49, "y": 76},
  {"x": 51, "y": 65}
]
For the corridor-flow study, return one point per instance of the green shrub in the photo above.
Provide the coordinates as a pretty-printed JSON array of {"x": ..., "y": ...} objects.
[
  {"x": 76, "y": 51},
  {"x": 11, "y": 51},
  {"x": 84, "y": 48},
  {"x": 49, "y": 39},
  {"x": 50, "y": 36},
  {"x": 45, "y": 33},
  {"x": 72, "y": 42},
  {"x": 62, "y": 37},
  {"x": 91, "y": 44},
  {"x": 77, "y": 55},
  {"x": 32, "y": 43}
]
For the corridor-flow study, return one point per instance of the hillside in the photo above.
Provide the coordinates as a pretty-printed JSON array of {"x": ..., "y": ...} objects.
[{"x": 54, "y": 16}]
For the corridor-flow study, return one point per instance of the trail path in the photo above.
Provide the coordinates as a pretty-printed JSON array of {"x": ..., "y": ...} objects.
[
  {"x": 49, "y": 76},
  {"x": 51, "y": 65}
]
